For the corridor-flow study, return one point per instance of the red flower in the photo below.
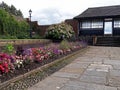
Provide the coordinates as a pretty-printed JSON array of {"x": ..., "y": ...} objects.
[
  {"x": 5, "y": 66},
  {"x": 2, "y": 69}
]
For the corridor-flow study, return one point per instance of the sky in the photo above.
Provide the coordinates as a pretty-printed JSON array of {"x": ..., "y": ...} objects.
[{"x": 55, "y": 11}]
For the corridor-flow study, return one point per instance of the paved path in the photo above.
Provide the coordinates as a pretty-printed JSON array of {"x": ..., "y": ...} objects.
[{"x": 97, "y": 69}]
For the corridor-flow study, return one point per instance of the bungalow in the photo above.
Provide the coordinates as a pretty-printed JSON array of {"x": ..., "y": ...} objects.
[{"x": 100, "y": 21}]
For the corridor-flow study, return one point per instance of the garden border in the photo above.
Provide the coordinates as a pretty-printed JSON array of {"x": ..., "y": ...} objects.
[{"x": 18, "y": 83}]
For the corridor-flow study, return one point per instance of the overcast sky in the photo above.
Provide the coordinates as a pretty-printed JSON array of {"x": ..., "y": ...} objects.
[{"x": 55, "y": 11}]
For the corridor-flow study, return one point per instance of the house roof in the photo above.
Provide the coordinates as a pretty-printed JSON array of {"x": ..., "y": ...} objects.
[{"x": 106, "y": 11}]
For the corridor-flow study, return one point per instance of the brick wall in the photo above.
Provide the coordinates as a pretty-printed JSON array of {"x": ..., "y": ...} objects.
[
  {"x": 74, "y": 24},
  {"x": 41, "y": 29}
]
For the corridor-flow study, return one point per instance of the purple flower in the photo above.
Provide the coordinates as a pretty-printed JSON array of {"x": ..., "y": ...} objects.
[
  {"x": 28, "y": 51},
  {"x": 55, "y": 51},
  {"x": 12, "y": 58}
]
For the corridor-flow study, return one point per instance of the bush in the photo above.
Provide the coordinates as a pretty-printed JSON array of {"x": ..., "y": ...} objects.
[
  {"x": 64, "y": 45},
  {"x": 8, "y": 48},
  {"x": 59, "y": 31},
  {"x": 7, "y": 37},
  {"x": 23, "y": 35},
  {"x": 36, "y": 36}
]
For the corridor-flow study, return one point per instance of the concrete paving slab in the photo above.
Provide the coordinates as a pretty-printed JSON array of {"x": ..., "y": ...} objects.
[
  {"x": 83, "y": 57},
  {"x": 81, "y": 62},
  {"x": 95, "y": 73},
  {"x": 115, "y": 58},
  {"x": 50, "y": 83},
  {"x": 115, "y": 73},
  {"x": 112, "y": 62},
  {"x": 86, "y": 60},
  {"x": 66, "y": 75},
  {"x": 77, "y": 65},
  {"x": 93, "y": 79},
  {"x": 73, "y": 70},
  {"x": 114, "y": 81},
  {"x": 118, "y": 88},
  {"x": 100, "y": 67},
  {"x": 116, "y": 67},
  {"x": 75, "y": 85}
]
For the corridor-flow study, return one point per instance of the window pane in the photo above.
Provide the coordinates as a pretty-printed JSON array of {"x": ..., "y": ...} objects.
[
  {"x": 93, "y": 24},
  {"x": 97, "y": 24},
  {"x": 117, "y": 24},
  {"x": 86, "y": 24}
]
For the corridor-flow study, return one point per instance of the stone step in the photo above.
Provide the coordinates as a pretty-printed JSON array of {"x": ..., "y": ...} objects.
[{"x": 108, "y": 41}]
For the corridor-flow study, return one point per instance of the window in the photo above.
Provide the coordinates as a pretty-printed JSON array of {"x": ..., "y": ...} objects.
[
  {"x": 97, "y": 24},
  {"x": 92, "y": 24},
  {"x": 117, "y": 24},
  {"x": 86, "y": 24}
]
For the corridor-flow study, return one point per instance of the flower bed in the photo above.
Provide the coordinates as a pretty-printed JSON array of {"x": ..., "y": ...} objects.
[{"x": 12, "y": 65}]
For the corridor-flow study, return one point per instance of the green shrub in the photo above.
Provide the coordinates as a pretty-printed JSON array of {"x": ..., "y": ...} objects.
[
  {"x": 7, "y": 37},
  {"x": 11, "y": 26},
  {"x": 59, "y": 31},
  {"x": 8, "y": 48},
  {"x": 23, "y": 35},
  {"x": 36, "y": 36},
  {"x": 64, "y": 45}
]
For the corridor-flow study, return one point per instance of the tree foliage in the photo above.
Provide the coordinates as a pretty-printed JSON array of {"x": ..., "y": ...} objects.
[
  {"x": 59, "y": 31},
  {"x": 10, "y": 26},
  {"x": 11, "y": 9}
]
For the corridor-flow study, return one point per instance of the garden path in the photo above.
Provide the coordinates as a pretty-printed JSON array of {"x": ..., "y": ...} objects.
[{"x": 97, "y": 69}]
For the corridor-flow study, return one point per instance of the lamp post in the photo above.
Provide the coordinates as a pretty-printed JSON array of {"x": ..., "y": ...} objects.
[{"x": 30, "y": 12}]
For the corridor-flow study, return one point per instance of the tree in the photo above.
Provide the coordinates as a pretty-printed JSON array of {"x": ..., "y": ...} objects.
[
  {"x": 10, "y": 26},
  {"x": 19, "y": 13},
  {"x": 11, "y": 9}
]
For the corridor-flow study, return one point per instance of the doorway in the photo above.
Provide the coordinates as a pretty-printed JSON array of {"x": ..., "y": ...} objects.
[{"x": 108, "y": 28}]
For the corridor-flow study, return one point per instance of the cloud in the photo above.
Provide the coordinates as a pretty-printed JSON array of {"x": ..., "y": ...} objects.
[
  {"x": 55, "y": 11},
  {"x": 51, "y": 16}
]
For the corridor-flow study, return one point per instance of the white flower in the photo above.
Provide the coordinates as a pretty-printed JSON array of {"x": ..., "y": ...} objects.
[
  {"x": 20, "y": 62},
  {"x": 42, "y": 57},
  {"x": 17, "y": 61}
]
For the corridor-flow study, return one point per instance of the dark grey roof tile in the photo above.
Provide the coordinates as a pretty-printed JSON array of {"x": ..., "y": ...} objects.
[{"x": 100, "y": 12}]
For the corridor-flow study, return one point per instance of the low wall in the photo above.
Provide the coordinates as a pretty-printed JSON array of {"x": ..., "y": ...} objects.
[{"x": 15, "y": 42}]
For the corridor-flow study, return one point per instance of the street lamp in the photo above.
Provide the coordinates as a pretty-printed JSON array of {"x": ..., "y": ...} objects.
[{"x": 30, "y": 12}]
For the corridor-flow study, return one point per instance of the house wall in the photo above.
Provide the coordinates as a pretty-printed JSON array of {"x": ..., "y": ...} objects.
[
  {"x": 97, "y": 31},
  {"x": 116, "y": 32},
  {"x": 90, "y": 31}
]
